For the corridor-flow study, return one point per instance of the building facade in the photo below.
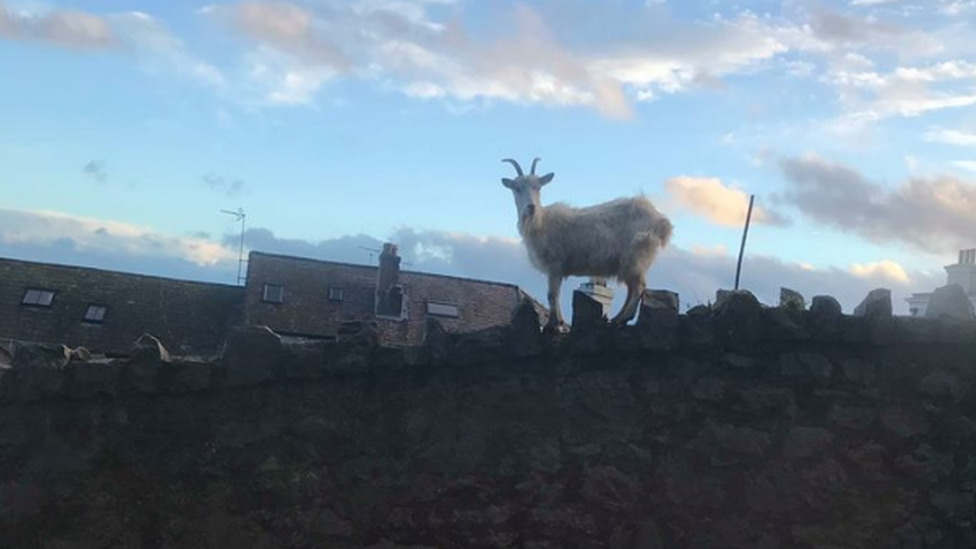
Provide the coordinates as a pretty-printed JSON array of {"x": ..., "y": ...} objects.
[
  {"x": 106, "y": 311},
  {"x": 311, "y": 299},
  {"x": 962, "y": 273}
]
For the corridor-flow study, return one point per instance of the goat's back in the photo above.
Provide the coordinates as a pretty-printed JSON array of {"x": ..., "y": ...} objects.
[{"x": 619, "y": 238}]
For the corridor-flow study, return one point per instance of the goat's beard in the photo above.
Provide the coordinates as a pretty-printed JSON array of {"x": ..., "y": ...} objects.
[{"x": 529, "y": 219}]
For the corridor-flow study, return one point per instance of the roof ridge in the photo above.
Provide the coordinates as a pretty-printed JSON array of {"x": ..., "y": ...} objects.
[
  {"x": 359, "y": 265},
  {"x": 111, "y": 271}
]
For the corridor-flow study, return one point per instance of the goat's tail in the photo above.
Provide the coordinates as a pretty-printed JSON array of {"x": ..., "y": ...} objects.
[
  {"x": 662, "y": 230},
  {"x": 657, "y": 237}
]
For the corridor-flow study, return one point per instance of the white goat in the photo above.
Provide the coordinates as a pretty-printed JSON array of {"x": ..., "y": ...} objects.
[{"x": 617, "y": 239}]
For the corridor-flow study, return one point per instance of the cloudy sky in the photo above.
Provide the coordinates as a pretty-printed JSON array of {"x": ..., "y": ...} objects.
[{"x": 339, "y": 124}]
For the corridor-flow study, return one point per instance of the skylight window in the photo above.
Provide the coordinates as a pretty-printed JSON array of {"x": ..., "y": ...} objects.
[
  {"x": 95, "y": 314},
  {"x": 274, "y": 293},
  {"x": 335, "y": 293},
  {"x": 38, "y": 298},
  {"x": 447, "y": 310}
]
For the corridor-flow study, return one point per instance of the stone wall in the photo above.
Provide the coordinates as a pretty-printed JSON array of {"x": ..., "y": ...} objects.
[{"x": 738, "y": 426}]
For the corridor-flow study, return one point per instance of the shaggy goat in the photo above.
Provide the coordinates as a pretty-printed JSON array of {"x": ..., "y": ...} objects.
[{"x": 617, "y": 239}]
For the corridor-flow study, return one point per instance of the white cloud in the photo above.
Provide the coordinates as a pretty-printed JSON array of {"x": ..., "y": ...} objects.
[
  {"x": 932, "y": 214},
  {"x": 969, "y": 165},
  {"x": 884, "y": 270},
  {"x": 44, "y": 228},
  {"x": 717, "y": 202},
  {"x": 870, "y": 96},
  {"x": 951, "y": 137},
  {"x": 71, "y": 29},
  {"x": 955, "y": 8}
]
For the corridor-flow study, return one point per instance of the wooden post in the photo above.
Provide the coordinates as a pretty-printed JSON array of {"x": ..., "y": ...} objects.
[{"x": 742, "y": 247}]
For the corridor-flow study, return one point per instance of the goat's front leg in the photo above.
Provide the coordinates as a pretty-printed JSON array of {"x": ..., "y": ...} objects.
[{"x": 555, "y": 324}]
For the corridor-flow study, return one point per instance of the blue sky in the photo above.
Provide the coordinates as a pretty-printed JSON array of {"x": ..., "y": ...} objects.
[{"x": 337, "y": 125}]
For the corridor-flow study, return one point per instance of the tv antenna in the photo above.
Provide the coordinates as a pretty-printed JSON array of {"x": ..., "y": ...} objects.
[
  {"x": 239, "y": 215},
  {"x": 370, "y": 252},
  {"x": 373, "y": 252}
]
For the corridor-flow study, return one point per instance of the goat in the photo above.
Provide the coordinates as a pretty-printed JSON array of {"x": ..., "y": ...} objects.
[{"x": 617, "y": 239}]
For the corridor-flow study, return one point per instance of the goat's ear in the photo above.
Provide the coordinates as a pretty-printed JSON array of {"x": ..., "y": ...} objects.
[
  {"x": 507, "y": 182},
  {"x": 546, "y": 178}
]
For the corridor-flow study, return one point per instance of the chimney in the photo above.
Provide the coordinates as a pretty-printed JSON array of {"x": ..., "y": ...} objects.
[
  {"x": 389, "y": 296},
  {"x": 598, "y": 290}
]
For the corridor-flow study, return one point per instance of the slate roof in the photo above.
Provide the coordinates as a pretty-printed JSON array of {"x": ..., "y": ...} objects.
[{"x": 188, "y": 317}]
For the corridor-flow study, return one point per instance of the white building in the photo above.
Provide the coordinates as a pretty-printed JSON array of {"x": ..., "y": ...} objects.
[{"x": 962, "y": 273}]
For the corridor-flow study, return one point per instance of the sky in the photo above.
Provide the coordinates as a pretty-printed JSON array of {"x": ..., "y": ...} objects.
[{"x": 337, "y": 125}]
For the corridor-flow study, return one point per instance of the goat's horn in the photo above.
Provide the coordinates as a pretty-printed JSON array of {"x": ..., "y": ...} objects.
[
  {"x": 534, "y": 162},
  {"x": 516, "y": 164}
]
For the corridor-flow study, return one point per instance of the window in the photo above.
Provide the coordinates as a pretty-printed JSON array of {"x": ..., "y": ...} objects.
[
  {"x": 38, "y": 298},
  {"x": 335, "y": 293},
  {"x": 95, "y": 314},
  {"x": 274, "y": 293},
  {"x": 448, "y": 310}
]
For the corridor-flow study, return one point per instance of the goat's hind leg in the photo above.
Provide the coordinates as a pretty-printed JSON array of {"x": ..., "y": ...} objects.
[{"x": 635, "y": 289}]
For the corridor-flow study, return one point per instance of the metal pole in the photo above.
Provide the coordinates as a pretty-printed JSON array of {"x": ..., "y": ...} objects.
[
  {"x": 241, "y": 216},
  {"x": 240, "y": 253},
  {"x": 742, "y": 247}
]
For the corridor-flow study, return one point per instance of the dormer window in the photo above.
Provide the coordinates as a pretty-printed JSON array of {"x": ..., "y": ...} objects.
[
  {"x": 446, "y": 310},
  {"x": 274, "y": 293},
  {"x": 95, "y": 314},
  {"x": 37, "y": 297}
]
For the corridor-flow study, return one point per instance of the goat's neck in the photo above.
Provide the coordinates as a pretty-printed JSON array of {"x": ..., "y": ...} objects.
[{"x": 529, "y": 225}]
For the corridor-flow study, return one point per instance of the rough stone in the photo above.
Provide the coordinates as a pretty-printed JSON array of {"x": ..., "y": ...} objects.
[
  {"x": 587, "y": 313},
  {"x": 89, "y": 379},
  {"x": 307, "y": 359},
  {"x": 824, "y": 318},
  {"x": 762, "y": 401},
  {"x": 148, "y": 356},
  {"x": 737, "y": 317},
  {"x": 187, "y": 376},
  {"x": 903, "y": 423},
  {"x": 950, "y": 301},
  {"x": 825, "y": 306},
  {"x": 709, "y": 389},
  {"x": 252, "y": 355},
  {"x": 876, "y": 305},
  {"x": 152, "y": 346},
  {"x": 80, "y": 354},
  {"x": 941, "y": 385},
  {"x": 804, "y": 442},
  {"x": 696, "y": 327},
  {"x": 805, "y": 366},
  {"x": 852, "y": 417},
  {"x": 607, "y": 487},
  {"x": 526, "y": 331},
  {"x": 658, "y": 323},
  {"x": 779, "y": 325},
  {"x": 791, "y": 300},
  {"x": 480, "y": 347},
  {"x": 437, "y": 341},
  {"x": 356, "y": 345},
  {"x": 47, "y": 356}
]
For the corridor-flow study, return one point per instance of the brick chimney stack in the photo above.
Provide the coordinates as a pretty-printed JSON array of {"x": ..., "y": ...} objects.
[{"x": 389, "y": 296}]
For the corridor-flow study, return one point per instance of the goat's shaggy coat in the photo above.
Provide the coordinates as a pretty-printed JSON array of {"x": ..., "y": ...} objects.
[{"x": 614, "y": 240}]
